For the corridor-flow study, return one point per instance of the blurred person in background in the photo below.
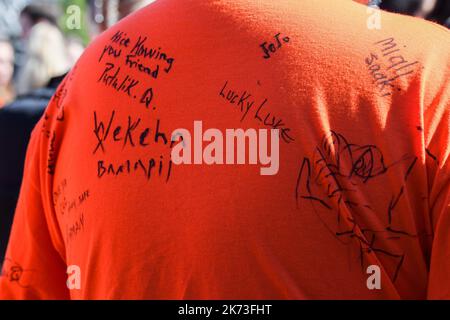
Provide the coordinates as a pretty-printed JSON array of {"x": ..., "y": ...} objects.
[
  {"x": 46, "y": 52},
  {"x": 10, "y": 29},
  {"x": 6, "y": 71}
]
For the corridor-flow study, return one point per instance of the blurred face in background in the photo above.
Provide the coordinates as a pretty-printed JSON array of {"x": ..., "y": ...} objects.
[
  {"x": 46, "y": 51},
  {"x": 6, "y": 63}
]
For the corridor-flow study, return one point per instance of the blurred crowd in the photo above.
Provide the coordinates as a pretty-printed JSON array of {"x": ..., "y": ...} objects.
[
  {"x": 39, "y": 42},
  {"x": 42, "y": 39}
]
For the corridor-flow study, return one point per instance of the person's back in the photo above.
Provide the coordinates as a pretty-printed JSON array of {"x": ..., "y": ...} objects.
[{"x": 361, "y": 185}]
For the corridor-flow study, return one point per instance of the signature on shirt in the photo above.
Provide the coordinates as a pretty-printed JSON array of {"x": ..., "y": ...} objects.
[{"x": 387, "y": 64}]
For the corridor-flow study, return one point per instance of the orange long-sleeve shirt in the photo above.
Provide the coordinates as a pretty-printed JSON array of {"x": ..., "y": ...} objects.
[{"x": 362, "y": 189}]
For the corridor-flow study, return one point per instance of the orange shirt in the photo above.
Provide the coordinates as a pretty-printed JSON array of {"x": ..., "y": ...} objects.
[{"x": 362, "y": 190}]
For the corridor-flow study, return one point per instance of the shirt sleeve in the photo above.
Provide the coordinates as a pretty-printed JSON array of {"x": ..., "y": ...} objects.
[
  {"x": 437, "y": 144},
  {"x": 33, "y": 268}
]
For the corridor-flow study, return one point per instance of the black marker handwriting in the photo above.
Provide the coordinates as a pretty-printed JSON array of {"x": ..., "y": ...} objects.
[
  {"x": 270, "y": 48},
  {"x": 332, "y": 180},
  {"x": 245, "y": 102},
  {"x": 134, "y": 133}
]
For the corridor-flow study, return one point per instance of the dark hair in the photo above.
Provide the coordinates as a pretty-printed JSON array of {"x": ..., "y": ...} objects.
[{"x": 40, "y": 12}]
